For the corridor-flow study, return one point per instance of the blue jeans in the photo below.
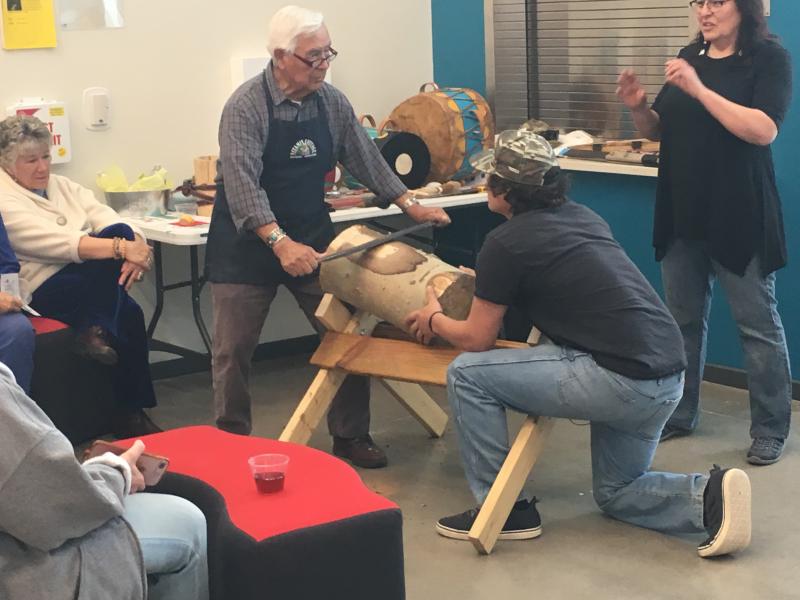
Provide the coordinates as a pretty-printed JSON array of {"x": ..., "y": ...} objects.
[
  {"x": 17, "y": 342},
  {"x": 626, "y": 416},
  {"x": 689, "y": 273},
  {"x": 172, "y": 535}
]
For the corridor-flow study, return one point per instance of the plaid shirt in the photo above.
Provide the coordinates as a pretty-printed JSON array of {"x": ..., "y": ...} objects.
[{"x": 243, "y": 132}]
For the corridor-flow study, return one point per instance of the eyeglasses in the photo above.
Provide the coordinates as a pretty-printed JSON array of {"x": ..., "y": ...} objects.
[
  {"x": 713, "y": 5},
  {"x": 315, "y": 59}
]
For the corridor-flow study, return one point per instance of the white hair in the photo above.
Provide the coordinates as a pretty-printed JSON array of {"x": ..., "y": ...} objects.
[
  {"x": 288, "y": 24},
  {"x": 20, "y": 133}
]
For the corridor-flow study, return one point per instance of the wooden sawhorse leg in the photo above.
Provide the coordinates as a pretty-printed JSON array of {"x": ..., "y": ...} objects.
[
  {"x": 509, "y": 482},
  {"x": 419, "y": 403},
  {"x": 317, "y": 399},
  {"x": 319, "y": 395}
]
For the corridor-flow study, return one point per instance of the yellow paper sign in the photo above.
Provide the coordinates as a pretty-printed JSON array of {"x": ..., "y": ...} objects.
[{"x": 28, "y": 24}]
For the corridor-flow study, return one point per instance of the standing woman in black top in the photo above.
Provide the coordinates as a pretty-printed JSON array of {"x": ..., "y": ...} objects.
[{"x": 718, "y": 215}]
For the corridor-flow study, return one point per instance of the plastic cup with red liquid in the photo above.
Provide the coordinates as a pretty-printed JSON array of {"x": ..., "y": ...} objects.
[{"x": 269, "y": 471}]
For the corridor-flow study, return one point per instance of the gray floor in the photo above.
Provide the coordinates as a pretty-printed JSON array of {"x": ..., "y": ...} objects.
[{"x": 581, "y": 554}]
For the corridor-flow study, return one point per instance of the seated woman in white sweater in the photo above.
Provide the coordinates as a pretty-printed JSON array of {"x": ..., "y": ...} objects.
[{"x": 78, "y": 260}]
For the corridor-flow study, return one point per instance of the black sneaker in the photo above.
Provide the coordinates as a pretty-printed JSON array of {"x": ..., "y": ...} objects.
[
  {"x": 765, "y": 451},
  {"x": 670, "y": 431},
  {"x": 523, "y": 523},
  {"x": 726, "y": 512}
]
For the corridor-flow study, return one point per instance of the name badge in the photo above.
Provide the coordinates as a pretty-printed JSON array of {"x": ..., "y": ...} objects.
[{"x": 9, "y": 283}]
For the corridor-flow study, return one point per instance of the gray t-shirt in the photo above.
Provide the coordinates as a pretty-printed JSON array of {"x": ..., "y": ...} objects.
[{"x": 563, "y": 267}]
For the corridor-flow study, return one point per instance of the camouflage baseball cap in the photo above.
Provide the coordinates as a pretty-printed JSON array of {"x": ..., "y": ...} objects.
[{"x": 519, "y": 155}]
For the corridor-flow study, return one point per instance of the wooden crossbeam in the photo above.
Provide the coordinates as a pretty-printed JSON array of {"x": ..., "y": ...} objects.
[
  {"x": 389, "y": 358},
  {"x": 509, "y": 482},
  {"x": 392, "y": 359}
]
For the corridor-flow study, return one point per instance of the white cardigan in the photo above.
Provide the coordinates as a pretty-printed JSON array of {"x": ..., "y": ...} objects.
[{"x": 45, "y": 232}]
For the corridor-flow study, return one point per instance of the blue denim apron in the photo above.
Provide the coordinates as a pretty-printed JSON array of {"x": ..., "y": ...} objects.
[{"x": 296, "y": 158}]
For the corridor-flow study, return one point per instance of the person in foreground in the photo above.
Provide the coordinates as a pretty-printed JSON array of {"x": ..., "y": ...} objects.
[
  {"x": 611, "y": 354},
  {"x": 84, "y": 531},
  {"x": 17, "y": 338},
  {"x": 718, "y": 214},
  {"x": 78, "y": 262},
  {"x": 280, "y": 133}
]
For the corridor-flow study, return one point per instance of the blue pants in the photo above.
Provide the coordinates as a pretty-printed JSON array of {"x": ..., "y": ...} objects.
[
  {"x": 17, "y": 341},
  {"x": 172, "y": 535},
  {"x": 689, "y": 273},
  {"x": 86, "y": 294},
  {"x": 626, "y": 416}
]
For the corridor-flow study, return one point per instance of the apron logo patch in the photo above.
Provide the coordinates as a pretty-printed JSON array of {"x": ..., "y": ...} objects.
[{"x": 303, "y": 149}]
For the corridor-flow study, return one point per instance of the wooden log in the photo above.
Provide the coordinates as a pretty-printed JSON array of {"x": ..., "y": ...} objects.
[{"x": 390, "y": 281}]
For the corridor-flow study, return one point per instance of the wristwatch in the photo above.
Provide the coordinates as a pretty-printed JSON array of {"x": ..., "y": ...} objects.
[{"x": 408, "y": 203}]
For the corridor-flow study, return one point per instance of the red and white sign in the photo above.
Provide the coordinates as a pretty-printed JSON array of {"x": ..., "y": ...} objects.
[{"x": 53, "y": 114}]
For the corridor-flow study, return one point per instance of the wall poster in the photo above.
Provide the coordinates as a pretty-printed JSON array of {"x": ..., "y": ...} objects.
[{"x": 28, "y": 24}]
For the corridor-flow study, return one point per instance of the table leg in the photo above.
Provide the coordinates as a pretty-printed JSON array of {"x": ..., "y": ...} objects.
[
  {"x": 151, "y": 327},
  {"x": 197, "y": 287}
]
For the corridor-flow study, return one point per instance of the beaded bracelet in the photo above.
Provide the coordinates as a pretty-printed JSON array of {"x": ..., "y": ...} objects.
[{"x": 115, "y": 248}]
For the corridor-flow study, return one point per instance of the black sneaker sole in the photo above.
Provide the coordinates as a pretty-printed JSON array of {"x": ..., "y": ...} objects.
[
  {"x": 735, "y": 530},
  {"x": 757, "y": 460},
  {"x": 517, "y": 534}
]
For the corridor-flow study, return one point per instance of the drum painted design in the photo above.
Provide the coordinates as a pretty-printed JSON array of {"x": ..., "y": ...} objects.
[{"x": 454, "y": 123}]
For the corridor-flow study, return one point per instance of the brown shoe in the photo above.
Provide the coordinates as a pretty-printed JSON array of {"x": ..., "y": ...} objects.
[
  {"x": 93, "y": 343},
  {"x": 360, "y": 451},
  {"x": 135, "y": 424}
]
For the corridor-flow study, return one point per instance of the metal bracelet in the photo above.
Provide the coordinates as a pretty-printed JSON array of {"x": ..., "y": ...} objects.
[
  {"x": 275, "y": 236},
  {"x": 408, "y": 203}
]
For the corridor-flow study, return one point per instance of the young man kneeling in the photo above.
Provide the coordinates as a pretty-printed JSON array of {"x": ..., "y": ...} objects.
[{"x": 613, "y": 355}]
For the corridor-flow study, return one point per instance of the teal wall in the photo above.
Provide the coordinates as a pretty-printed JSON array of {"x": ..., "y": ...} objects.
[
  {"x": 458, "y": 48},
  {"x": 627, "y": 202}
]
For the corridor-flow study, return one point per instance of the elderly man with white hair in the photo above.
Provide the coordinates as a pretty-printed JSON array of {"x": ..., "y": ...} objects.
[{"x": 279, "y": 135}]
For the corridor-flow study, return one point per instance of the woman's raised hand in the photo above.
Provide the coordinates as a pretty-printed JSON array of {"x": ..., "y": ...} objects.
[{"x": 630, "y": 90}]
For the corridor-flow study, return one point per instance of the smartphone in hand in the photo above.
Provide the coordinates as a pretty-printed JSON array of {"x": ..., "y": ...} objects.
[{"x": 151, "y": 466}]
